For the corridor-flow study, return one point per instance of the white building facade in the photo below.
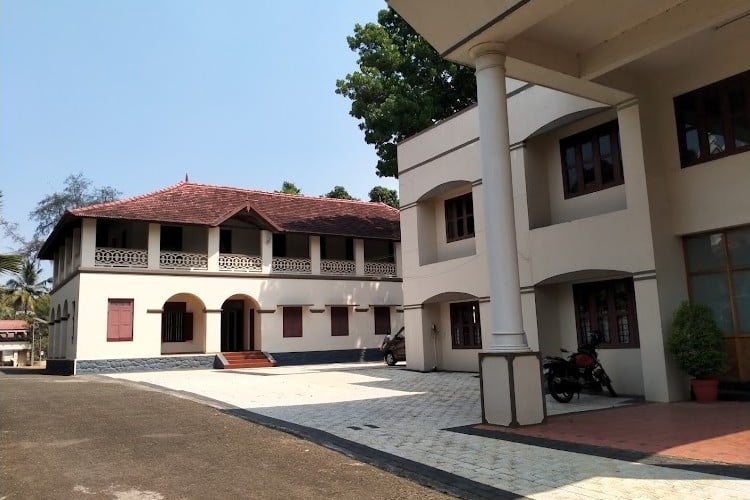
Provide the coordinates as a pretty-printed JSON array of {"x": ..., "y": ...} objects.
[
  {"x": 173, "y": 278},
  {"x": 629, "y": 183}
]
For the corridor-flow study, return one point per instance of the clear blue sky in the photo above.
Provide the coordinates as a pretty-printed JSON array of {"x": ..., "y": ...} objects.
[{"x": 137, "y": 93}]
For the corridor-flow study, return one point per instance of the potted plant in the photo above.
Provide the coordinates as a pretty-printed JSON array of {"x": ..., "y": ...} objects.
[{"x": 697, "y": 345}]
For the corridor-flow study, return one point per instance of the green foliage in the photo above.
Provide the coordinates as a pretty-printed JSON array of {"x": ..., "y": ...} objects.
[
  {"x": 26, "y": 289},
  {"x": 340, "y": 193},
  {"x": 402, "y": 87},
  {"x": 289, "y": 188},
  {"x": 696, "y": 342},
  {"x": 384, "y": 195},
  {"x": 77, "y": 191},
  {"x": 9, "y": 263}
]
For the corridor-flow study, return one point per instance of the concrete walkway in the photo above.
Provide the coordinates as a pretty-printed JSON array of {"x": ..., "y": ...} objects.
[{"x": 409, "y": 415}]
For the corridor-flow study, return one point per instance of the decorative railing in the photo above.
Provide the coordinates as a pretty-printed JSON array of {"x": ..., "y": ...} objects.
[
  {"x": 120, "y": 257},
  {"x": 183, "y": 260},
  {"x": 240, "y": 262},
  {"x": 330, "y": 266},
  {"x": 380, "y": 269},
  {"x": 291, "y": 265}
]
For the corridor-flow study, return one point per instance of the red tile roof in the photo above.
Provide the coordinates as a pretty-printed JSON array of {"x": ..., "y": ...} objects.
[
  {"x": 13, "y": 324},
  {"x": 205, "y": 205}
]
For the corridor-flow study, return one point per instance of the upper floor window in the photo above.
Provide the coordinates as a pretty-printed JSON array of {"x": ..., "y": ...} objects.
[
  {"x": 459, "y": 218},
  {"x": 591, "y": 160},
  {"x": 171, "y": 238},
  {"x": 714, "y": 121}
]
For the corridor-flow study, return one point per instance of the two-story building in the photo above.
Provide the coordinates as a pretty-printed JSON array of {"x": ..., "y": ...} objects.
[
  {"x": 172, "y": 278},
  {"x": 15, "y": 342},
  {"x": 624, "y": 166}
]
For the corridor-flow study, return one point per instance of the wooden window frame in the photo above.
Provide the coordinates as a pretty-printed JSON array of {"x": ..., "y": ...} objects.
[
  {"x": 117, "y": 336},
  {"x": 176, "y": 312},
  {"x": 339, "y": 321},
  {"x": 459, "y": 218},
  {"x": 379, "y": 314},
  {"x": 292, "y": 322},
  {"x": 458, "y": 335},
  {"x": 589, "y": 291},
  {"x": 698, "y": 98},
  {"x": 592, "y": 135}
]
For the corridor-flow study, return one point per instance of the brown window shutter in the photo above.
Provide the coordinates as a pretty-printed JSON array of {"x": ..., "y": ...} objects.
[
  {"x": 382, "y": 320},
  {"x": 292, "y": 321},
  {"x": 119, "y": 320},
  {"x": 187, "y": 326},
  {"x": 339, "y": 321}
]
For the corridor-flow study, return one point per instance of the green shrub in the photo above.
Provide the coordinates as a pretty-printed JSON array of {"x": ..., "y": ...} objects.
[{"x": 696, "y": 342}]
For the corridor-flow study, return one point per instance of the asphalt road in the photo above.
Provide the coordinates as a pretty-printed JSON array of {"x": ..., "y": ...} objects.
[{"x": 91, "y": 438}]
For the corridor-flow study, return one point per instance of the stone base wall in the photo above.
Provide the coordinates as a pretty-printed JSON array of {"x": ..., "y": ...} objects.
[
  {"x": 89, "y": 366},
  {"x": 320, "y": 357}
]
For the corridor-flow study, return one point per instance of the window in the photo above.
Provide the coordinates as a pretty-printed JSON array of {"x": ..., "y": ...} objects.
[
  {"x": 339, "y": 321},
  {"x": 718, "y": 269},
  {"x": 459, "y": 218},
  {"x": 714, "y": 121},
  {"x": 292, "y": 321},
  {"x": 336, "y": 248},
  {"x": 382, "y": 320},
  {"x": 120, "y": 320},
  {"x": 176, "y": 323},
  {"x": 466, "y": 330},
  {"x": 609, "y": 308},
  {"x": 591, "y": 160},
  {"x": 171, "y": 238},
  {"x": 225, "y": 241},
  {"x": 379, "y": 251}
]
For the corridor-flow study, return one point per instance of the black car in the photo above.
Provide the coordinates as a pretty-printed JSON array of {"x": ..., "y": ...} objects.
[{"x": 394, "y": 348}]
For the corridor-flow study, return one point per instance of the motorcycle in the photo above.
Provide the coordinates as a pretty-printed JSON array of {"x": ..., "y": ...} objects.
[{"x": 581, "y": 370}]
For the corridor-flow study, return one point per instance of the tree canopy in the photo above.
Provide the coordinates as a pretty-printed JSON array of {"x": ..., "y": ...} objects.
[
  {"x": 402, "y": 87},
  {"x": 77, "y": 191},
  {"x": 384, "y": 195},
  {"x": 289, "y": 188},
  {"x": 340, "y": 193},
  {"x": 9, "y": 263}
]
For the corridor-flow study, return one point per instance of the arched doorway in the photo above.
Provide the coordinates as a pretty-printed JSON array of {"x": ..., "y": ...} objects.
[
  {"x": 238, "y": 324},
  {"x": 183, "y": 325}
]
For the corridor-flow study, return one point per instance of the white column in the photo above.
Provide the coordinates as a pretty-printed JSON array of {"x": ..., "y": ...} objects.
[
  {"x": 500, "y": 225},
  {"x": 154, "y": 245},
  {"x": 397, "y": 258},
  {"x": 88, "y": 242},
  {"x": 315, "y": 254},
  {"x": 511, "y": 383},
  {"x": 213, "y": 248},
  {"x": 266, "y": 250},
  {"x": 359, "y": 257}
]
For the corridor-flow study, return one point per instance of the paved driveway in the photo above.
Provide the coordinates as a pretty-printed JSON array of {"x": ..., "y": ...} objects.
[{"x": 407, "y": 415}]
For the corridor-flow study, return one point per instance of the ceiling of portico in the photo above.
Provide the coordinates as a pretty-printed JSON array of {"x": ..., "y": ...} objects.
[{"x": 577, "y": 46}]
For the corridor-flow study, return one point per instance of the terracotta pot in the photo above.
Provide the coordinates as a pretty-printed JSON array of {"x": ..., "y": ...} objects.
[{"x": 705, "y": 390}]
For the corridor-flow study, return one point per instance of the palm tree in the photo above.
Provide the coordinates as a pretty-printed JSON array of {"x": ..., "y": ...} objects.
[
  {"x": 7, "y": 311},
  {"x": 9, "y": 263},
  {"x": 26, "y": 288}
]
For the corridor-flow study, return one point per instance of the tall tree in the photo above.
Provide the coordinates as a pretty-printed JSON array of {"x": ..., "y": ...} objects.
[
  {"x": 402, "y": 87},
  {"x": 289, "y": 188},
  {"x": 9, "y": 263},
  {"x": 384, "y": 195},
  {"x": 340, "y": 193},
  {"x": 77, "y": 191},
  {"x": 26, "y": 289}
]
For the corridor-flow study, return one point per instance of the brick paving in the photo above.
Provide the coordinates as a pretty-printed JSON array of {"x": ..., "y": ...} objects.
[{"x": 410, "y": 415}]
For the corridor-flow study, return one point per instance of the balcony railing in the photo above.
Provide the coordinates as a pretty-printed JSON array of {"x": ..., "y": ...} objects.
[
  {"x": 387, "y": 269},
  {"x": 120, "y": 257},
  {"x": 291, "y": 265},
  {"x": 331, "y": 266},
  {"x": 240, "y": 263},
  {"x": 183, "y": 260},
  {"x": 14, "y": 337}
]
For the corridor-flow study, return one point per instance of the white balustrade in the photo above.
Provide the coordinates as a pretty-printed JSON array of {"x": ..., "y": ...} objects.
[
  {"x": 291, "y": 265},
  {"x": 120, "y": 257},
  {"x": 331, "y": 266},
  {"x": 240, "y": 262},
  {"x": 380, "y": 269},
  {"x": 183, "y": 260}
]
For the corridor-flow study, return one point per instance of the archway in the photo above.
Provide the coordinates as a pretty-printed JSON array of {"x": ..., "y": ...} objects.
[
  {"x": 239, "y": 324},
  {"x": 183, "y": 325}
]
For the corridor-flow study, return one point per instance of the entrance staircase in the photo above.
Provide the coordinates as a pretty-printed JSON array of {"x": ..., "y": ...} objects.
[{"x": 246, "y": 359}]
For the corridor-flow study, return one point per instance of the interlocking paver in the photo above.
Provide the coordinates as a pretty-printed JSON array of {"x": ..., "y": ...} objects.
[{"x": 413, "y": 411}]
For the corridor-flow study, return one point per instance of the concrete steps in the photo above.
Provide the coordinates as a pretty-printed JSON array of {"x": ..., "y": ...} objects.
[{"x": 246, "y": 359}]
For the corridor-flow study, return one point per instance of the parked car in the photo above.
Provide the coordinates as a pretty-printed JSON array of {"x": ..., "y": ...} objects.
[{"x": 394, "y": 348}]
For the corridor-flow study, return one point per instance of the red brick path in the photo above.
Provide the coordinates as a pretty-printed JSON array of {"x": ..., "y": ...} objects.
[{"x": 713, "y": 432}]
